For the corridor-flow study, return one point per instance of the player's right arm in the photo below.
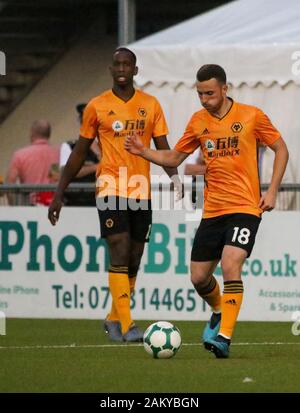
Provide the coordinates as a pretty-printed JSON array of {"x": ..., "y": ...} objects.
[
  {"x": 74, "y": 164},
  {"x": 163, "y": 157}
]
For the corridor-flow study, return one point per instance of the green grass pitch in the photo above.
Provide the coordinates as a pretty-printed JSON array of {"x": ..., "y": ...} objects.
[{"x": 75, "y": 356}]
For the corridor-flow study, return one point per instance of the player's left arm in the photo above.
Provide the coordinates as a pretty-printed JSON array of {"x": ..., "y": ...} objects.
[
  {"x": 268, "y": 200},
  {"x": 161, "y": 143}
]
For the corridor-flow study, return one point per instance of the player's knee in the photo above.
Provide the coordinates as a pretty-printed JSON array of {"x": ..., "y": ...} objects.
[
  {"x": 231, "y": 268},
  {"x": 198, "y": 279},
  {"x": 119, "y": 251},
  {"x": 119, "y": 256},
  {"x": 135, "y": 259}
]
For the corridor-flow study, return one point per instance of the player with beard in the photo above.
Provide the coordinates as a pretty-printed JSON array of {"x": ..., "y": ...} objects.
[{"x": 228, "y": 134}]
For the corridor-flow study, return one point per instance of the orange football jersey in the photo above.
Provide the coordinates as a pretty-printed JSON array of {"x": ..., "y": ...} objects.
[
  {"x": 111, "y": 120},
  {"x": 230, "y": 150}
]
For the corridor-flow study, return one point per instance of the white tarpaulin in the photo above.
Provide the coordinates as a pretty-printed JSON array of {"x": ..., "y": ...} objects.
[
  {"x": 257, "y": 43},
  {"x": 253, "y": 40}
]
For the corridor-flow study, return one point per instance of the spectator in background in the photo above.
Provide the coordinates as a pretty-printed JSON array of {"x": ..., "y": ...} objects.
[
  {"x": 45, "y": 197},
  {"x": 33, "y": 163},
  {"x": 88, "y": 171}
]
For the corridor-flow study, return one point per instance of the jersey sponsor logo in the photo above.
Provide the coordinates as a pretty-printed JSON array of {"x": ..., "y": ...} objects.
[
  {"x": 226, "y": 146},
  {"x": 142, "y": 112},
  {"x": 111, "y": 112},
  {"x": 117, "y": 126},
  {"x": 227, "y": 142},
  {"x": 224, "y": 152},
  {"x": 210, "y": 145},
  {"x": 236, "y": 127},
  {"x": 129, "y": 126},
  {"x": 205, "y": 131}
]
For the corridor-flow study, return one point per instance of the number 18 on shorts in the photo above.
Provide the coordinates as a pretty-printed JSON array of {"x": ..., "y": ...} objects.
[{"x": 231, "y": 229}]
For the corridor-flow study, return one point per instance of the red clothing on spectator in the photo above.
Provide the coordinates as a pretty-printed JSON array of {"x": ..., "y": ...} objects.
[
  {"x": 42, "y": 198},
  {"x": 32, "y": 163}
]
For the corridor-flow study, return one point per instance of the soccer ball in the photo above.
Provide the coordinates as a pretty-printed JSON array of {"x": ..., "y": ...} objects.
[{"x": 162, "y": 340}]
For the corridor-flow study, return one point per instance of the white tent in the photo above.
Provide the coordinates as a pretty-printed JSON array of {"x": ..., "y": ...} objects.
[{"x": 258, "y": 44}]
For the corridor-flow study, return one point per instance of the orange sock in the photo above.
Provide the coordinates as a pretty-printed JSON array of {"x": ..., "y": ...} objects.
[
  {"x": 213, "y": 298},
  {"x": 231, "y": 303},
  {"x": 120, "y": 291},
  {"x": 113, "y": 315},
  {"x": 211, "y": 294}
]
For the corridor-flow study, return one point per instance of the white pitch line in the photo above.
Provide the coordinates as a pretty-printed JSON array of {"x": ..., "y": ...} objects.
[{"x": 37, "y": 347}]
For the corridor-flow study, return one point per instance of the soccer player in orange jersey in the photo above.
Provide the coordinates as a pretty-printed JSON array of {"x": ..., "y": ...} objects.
[
  {"x": 123, "y": 182},
  {"x": 229, "y": 134}
]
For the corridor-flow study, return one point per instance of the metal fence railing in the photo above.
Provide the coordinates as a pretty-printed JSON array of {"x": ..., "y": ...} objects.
[{"x": 26, "y": 194}]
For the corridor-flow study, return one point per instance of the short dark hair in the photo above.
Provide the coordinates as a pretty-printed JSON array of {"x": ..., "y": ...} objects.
[
  {"x": 124, "y": 49},
  {"x": 207, "y": 72},
  {"x": 80, "y": 108}
]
